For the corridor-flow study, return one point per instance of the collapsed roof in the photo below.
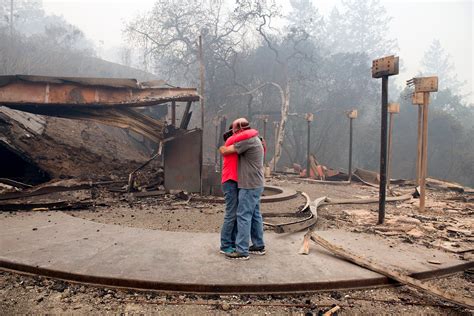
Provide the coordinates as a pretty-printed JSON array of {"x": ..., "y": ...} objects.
[
  {"x": 104, "y": 100},
  {"x": 82, "y": 148}
]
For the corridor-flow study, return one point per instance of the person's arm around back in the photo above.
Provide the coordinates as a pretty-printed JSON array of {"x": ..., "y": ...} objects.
[{"x": 227, "y": 150}]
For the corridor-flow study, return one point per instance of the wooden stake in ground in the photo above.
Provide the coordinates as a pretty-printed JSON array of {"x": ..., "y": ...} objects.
[
  {"x": 351, "y": 115},
  {"x": 424, "y": 85},
  {"x": 417, "y": 99},
  {"x": 424, "y": 152},
  {"x": 402, "y": 278},
  {"x": 393, "y": 108},
  {"x": 309, "y": 118},
  {"x": 332, "y": 311}
]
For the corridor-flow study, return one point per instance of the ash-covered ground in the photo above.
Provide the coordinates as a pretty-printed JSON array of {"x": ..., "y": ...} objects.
[{"x": 447, "y": 224}]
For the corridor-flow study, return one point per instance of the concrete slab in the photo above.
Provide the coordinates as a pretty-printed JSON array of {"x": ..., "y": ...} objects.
[{"x": 58, "y": 245}]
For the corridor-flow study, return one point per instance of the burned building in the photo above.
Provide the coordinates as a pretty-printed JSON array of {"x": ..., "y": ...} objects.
[{"x": 92, "y": 128}]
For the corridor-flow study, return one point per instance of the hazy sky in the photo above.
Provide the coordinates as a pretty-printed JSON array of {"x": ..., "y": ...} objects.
[{"x": 416, "y": 23}]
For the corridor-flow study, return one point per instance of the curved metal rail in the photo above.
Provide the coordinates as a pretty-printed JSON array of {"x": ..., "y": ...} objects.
[{"x": 283, "y": 194}]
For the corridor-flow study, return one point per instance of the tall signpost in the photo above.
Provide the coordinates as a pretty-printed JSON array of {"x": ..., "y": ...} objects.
[
  {"x": 424, "y": 85},
  {"x": 351, "y": 115},
  {"x": 383, "y": 68},
  {"x": 393, "y": 108}
]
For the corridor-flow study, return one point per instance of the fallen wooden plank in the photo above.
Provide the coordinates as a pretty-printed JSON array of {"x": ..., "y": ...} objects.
[
  {"x": 59, "y": 205},
  {"x": 148, "y": 193},
  {"x": 304, "y": 250},
  {"x": 402, "y": 278},
  {"x": 332, "y": 311},
  {"x": 56, "y": 186},
  {"x": 56, "y": 200}
]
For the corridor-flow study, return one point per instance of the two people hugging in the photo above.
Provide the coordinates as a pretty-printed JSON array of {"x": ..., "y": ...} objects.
[{"x": 242, "y": 184}]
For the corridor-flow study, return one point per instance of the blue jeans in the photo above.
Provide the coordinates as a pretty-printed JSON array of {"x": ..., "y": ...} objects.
[
  {"x": 229, "y": 228},
  {"x": 249, "y": 220}
]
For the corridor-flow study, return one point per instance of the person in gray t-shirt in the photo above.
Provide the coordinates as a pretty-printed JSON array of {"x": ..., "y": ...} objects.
[
  {"x": 250, "y": 184},
  {"x": 250, "y": 163}
]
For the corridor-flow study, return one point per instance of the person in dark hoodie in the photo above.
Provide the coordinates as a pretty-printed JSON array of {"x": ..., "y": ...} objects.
[{"x": 250, "y": 184}]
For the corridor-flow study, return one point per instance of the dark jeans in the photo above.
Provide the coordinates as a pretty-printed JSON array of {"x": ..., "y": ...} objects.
[
  {"x": 229, "y": 228},
  {"x": 249, "y": 220}
]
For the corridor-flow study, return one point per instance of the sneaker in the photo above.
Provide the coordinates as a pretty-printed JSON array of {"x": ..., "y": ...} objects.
[
  {"x": 257, "y": 250},
  {"x": 236, "y": 256},
  {"x": 227, "y": 250}
]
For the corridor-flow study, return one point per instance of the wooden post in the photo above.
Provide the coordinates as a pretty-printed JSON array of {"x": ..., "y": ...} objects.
[
  {"x": 419, "y": 144},
  {"x": 309, "y": 119},
  {"x": 393, "y": 108},
  {"x": 417, "y": 99},
  {"x": 423, "y": 87},
  {"x": 424, "y": 151},
  {"x": 201, "y": 73},
  {"x": 390, "y": 127},
  {"x": 352, "y": 115},
  {"x": 173, "y": 113}
]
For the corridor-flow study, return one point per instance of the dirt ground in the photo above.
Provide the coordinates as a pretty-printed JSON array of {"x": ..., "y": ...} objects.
[
  {"x": 447, "y": 224},
  {"x": 37, "y": 295}
]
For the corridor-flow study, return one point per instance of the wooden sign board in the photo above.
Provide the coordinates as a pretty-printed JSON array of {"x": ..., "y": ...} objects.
[
  {"x": 309, "y": 117},
  {"x": 386, "y": 66},
  {"x": 417, "y": 98},
  {"x": 352, "y": 114},
  {"x": 393, "y": 108},
  {"x": 426, "y": 84}
]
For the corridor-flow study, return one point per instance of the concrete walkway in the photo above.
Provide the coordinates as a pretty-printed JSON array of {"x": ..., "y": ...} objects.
[{"x": 58, "y": 245}]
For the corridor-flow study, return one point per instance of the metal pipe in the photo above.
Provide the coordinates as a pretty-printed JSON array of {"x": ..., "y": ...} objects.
[
  {"x": 350, "y": 150},
  {"x": 383, "y": 150}
]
